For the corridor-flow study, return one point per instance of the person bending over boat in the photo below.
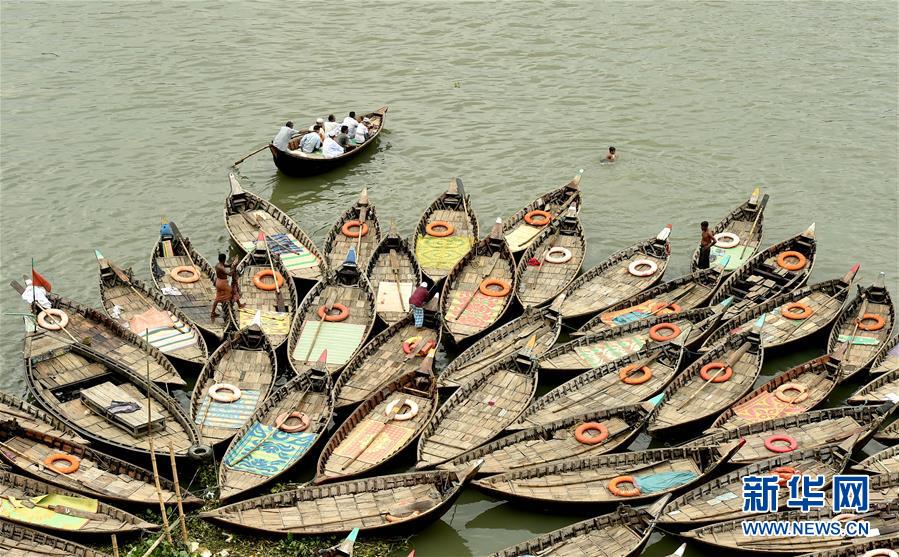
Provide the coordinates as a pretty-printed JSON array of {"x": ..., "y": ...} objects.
[
  {"x": 312, "y": 141},
  {"x": 285, "y": 134},
  {"x": 706, "y": 241},
  {"x": 226, "y": 291},
  {"x": 350, "y": 123},
  {"x": 417, "y": 301}
]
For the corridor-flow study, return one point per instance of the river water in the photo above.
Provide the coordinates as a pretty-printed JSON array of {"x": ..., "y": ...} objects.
[{"x": 115, "y": 115}]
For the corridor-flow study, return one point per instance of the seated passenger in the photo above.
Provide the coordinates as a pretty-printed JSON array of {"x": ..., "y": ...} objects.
[
  {"x": 331, "y": 126},
  {"x": 361, "y": 130},
  {"x": 283, "y": 136},
  {"x": 350, "y": 123},
  {"x": 331, "y": 148},
  {"x": 343, "y": 138},
  {"x": 320, "y": 122},
  {"x": 311, "y": 141}
]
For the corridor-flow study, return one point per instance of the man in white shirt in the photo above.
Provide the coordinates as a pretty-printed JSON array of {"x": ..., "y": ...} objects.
[
  {"x": 350, "y": 123},
  {"x": 362, "y": 130},
  {"x": 311, "y": 141},
  {"x": 331, "y": 126},
  {"x": 331, "y": 148},
  {"x": 283, "y": 137}
]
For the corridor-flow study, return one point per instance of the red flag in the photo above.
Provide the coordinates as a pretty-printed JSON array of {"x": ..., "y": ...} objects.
[{"x": 38, "y": 280}]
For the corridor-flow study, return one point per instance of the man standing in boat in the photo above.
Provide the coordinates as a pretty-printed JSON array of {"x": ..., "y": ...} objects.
[
  {"x": 417, "y": 301},
  {"x": 706, "y": 241},
  {"x": 226, "y": 288}
]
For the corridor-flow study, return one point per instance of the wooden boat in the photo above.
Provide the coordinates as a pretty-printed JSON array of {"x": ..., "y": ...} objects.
[
  {"x": 261, "y": 451},
  {"x": 233, "y": 384},
  {"x": 583, "y": 483},
  {"x": 810, "y": 430},
  {"x": 344, "y": 548},
  {"x": 552, "y": 260},
  {"x": 479, "y": 410},
  {"x": 558, "y": 440},
  {"x": 887, "y": 359},
  {"x": 889, "y": 434},
  {"x": 709, "y": 385},
  {"x": 19, "y": 541},
  {"x": 393, "y": 273},
  {"x": 545, "y": 324},
  {"x": 102, "y": 400},
  {"x": 357, "y": 228},
  {"x": 792, "y": 316},
  {"x": 884, "y": 488},
  {"x": 438, "y": 247},
  {"x": 94, "y": 328},
  {"x": 781, "y": 268},
  {"x": 36, "y": 422},
  {"x": 884, "y": 388},
  {"x": 684, "y": 293},
  {"x": 794, "y": 391},
  {"x": 480, "y": 288},
  {"x": 184, "y": 278},
  {"x": 884, "y": 462},
  {"x": 336, "y": 315},
  {"x": 863, "y": 328},
  {"x": 522, "y": 228},
  {"x": 268, "y": 302},
  {"x": 605, "y": 386},
  {"x": 247, "y": 214},
  {"x": 741, "y": 231},
  {"x": 382, "y": 427},
  {"x": 721, "y": 498},
  {"x": 880, "y": 545},
  {"x": 382, "y": 505},
  {"x": 60, "y": 510},
  {"x": 297, "y": 163},
  {"x": 624, "y": 274},
  {"x": 146, "y": 313}
]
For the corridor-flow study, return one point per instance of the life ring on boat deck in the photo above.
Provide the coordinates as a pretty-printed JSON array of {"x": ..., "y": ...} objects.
[
  {"x": 787, "y": 311},
  {"x": 880, "y": 552},
  {"x": 532, "y": 217},
  {"x": 879, "y": 322},
  {"x": 391, "y": 518},
  {"x": 628, "y": 379},
  {"x": 617, "y": 491},
  {"x": 727, "y": 240},
  {"x": 581, "y": 431},
  {"x": 706, "y": 375},
  {"x": 281, "y": 422},
  {"x": 60, "y": 319},
  {"x": 781, "y": 392},
  {"x": 178, "y": 274},
  {"x": 504, "y": 286},
  {"x": 792, "y": 444},
  {"x": 354, "y": 229},
  {"x": 394, "y": 407},
  {"x": 268, "y": 286},
  {"x": 785, "y": 473},
  {"x": 783, "y": 257},
  {"x": 440, "y": 229},
  {"x": 342, "y": 313},
  {"x": 655, "y": 332},
  {"x": 72, "y": 463},
  {"x": 410, "y": 343},
  {"x": 224, "y": 392},
  {"x": 563, "y": 257},
  {"x": 650, "y": 268}
]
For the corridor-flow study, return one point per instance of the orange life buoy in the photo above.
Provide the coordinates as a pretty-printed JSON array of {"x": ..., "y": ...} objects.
[
  {"x": 267, "y": 286},
  {"x": 532, "y": 217},
  {"x": 354, "y": 229},
  {"x": 342, "y": 313},
  {"x": 781, "y": 392},
  {"x": 411, "y": 342},
  {"x": 580, "y": 433},
  {"x": 440, "y": 229},
  {"x": 878, "y": 320},
  {"x": 792, "y": 444},
  {"x": 785, "y": 473},
  {"x": 617, "y": 491},
  {"x": 805, "y": 311},
  {"x": 59, "y": 319},
  {"x": 783, "y": 257},
  {"x": 504, "y": 287},
  {"x": 178, "y": 274},
  {"x": 656, "y": 335},
  {"x": 73, "y": 463},
  {"x": 628, "y": 379},
  {"x": 706, "y": 375},
  {"x": 281, "y": 422}
]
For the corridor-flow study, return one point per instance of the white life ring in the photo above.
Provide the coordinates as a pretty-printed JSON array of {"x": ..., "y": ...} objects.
[
  {"x": 405, "y": 416},
  {"x": 727, "y": 240},
  {"x": 224, "y": 392},
  {"x": 634, "y": 268},
  {"x": 880, "y": 552},
  {"x": 562, "y": 255},
  {"x": 60, "y": 319}
]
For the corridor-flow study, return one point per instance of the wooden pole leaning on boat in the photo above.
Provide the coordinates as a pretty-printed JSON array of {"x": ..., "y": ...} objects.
[
  {"x": 115, "y": 546},
  {"x": 824, "y": 304},
  {"x": 858, "y": 321},
  {"x": 181, "y": 518},
  {"x": 329, "y": 302},
  {"x": 394, "y": 266},
  {"x": 165, "y": 517},
  {"x": 363, "y": 214},
  {"x": 729, "y": 363},
  {"x": 675, "y": 299},
  {"x": 238, "y": 161},
  {"x": 550, "y": 244},
  {"x": 494, "y": 259},
  {"x": 39, "y": 464},
  {"x": 755, "y": 223},
  {"x": 279, "y": 298}
]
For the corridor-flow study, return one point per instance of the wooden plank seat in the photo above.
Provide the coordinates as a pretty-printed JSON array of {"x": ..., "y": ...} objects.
[{"x": 101, "y": 398}]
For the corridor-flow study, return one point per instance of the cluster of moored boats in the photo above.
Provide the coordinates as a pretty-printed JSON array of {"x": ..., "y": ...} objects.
[{"x": 677, "y": 359}]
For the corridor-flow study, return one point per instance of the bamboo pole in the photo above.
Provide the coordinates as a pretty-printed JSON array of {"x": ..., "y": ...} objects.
[
  {"x": 495, "y": 260},
  {"x": 181, "y": 518},
  {"x": 165, "y": 518},
  {"x": 115, "y": 546}
]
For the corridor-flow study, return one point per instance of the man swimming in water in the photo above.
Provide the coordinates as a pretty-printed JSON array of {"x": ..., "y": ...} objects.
[{"x": 611, "y": 156}]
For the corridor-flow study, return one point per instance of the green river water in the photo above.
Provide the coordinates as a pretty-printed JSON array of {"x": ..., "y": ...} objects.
[{"x": 115, "y": 114}]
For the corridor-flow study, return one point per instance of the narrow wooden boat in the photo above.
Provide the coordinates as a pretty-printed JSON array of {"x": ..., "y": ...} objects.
[
  {"x": 357, "y": 228},
  {"x": 446, "y": 232},
  {"x": 884, "y": 462},
  {"x": 393, "y": 273},
  {"x": 36, "y": 423},
  {"x": 247, "y": 214},
  {"x": 480, "y": 288},
  {"x": 543, "y": 323},
  {"x": 94, "y": 328},
  {"x": 887, "y": 359},
  {"x": 740, "y": 231},
  {"x": 146, "y": 313},
  {"x": 233, "y": 384},
  {"x": 479, "y": 410},
  {"x": 382, "y": 505},
  {"x": 792, "y": 316},
  {"x": 884, "y": 488},
  {"x": 184, "y": 277},
  {"x": 688, "y": 292},
  {"x": 104, "y": 401},
  {"x": 382, "y": 427},
  {"x": 622, "y": 275},
  {"x": 552, "y": 261},
  {"x": 336, "y": 315},
  {"x": 297, "y": 163},
  {"x": 344, "y": 548},
  {"x": 777, "y": 270},
  {"x": 629, "y": 380},
  {"x": 889, "y": 434},
  {"x": 722, "y": 498},
  {"x": 809, "y": 430},
  {"x": 269, "y": 301},
  {"x": 709, "y": 385},
  {"x": 19, "y": 541},
  {"x": 60, "y": 510},
  {"x": 558, "y": 440},
  {"x": 863, "y": 328},
  {"x": 282, "y": 432},
  {"x": 881, "y": 545},
  {"x": 884, "y": 388},
  {"x": 794, "y": 391},
  {"x": 522, "y": 228},
  {"x": 583, "y": 483}
]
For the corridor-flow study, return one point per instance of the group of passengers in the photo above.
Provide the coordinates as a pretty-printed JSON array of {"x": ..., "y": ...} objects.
[{"x": 331, "y": 137}]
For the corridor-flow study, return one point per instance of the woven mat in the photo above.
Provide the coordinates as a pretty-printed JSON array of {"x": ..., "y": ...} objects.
[
  {"x": 441, "y": 253},
  {"x": 860, "y": 340},
  {"x": 271, "y": 456},
  {"x": 228, "y": 415},
  {"x": 765, "y": 407},
  {"x": 481, "y": 312},
  {"x": 387, "y": 438},
  {"x": 340, "y": 340},
  {"x": 40, "y": 515},
  {"x": 522, "y": 236},
  {"x": 601, "y": 353},
  {"x": 634, "y": 313},
  {"x": 389, "y": 300},
  {"x": 272, "y": 322}
]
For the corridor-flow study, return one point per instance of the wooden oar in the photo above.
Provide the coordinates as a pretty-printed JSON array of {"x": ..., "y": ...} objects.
[
  {"x": 858, "y": 322},
  {"x": 824, "y": 304},
  {"x": 382, "y": 426},
  {"x": 279, "y": 298},
  {"x": 628, "y": 472},
  {"x": 329, "y": 301},
  {"x": 394, "y": 266},
  {"x": 675, "y": 299},
  {"x": 494, "y": 260},
  {"x": 550, "y": 244},
  {"x": 729, "y": 363},
  {"x": 755, "y": 223},
  {"x": 39, "y": 464},
  {"x": 251, "y": 154},
  {"x": 363, "y": 213}
]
